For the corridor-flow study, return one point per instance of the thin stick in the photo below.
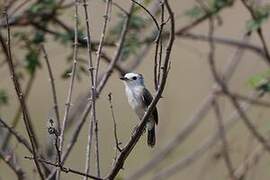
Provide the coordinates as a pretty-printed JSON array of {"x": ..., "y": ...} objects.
[
  {"x": 117, "y": 143},
  {"x": 9, "y": 160},
  {"x": 27, "y": 122},
  {"x": 19, "y": 137},
  {"x": 51, "y": 78},
  {"x": 225, "y": 144},
  {"x": 93, "y": 118},
  {"x": 70, "y": 90},
  {"x": 18, "y": 113},
  {"x": 149, "y": 13}
]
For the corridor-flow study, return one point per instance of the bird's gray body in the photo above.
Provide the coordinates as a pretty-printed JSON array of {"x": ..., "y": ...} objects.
[
  {"x": 139, "y": 99},
  {"x": 135, "y": 100}
]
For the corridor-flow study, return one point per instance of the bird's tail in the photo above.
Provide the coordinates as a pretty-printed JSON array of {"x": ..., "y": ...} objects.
[{"x": 151, "y": 137}]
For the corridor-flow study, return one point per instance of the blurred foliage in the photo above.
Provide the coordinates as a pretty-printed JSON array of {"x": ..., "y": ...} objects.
[
  {"x": 262, "y": 14},
  {"x": 43, "y": 6},
  {"x": 131, "y": 45},
  {"x": 213, "y": 7},
  {"x": 260, "y": 81},
  {"x": 3, "y": 97}
]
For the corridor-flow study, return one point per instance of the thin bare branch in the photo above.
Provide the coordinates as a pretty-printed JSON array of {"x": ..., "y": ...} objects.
[
  {"x": 20, "y": 95},
  {"x": 93, "y": 118},
  {"x": 9, "y": 159},
  {"x": 71, "y": 85},
  {"x": 117, "y": 143},
  {"x": 51, "y": 78},
  {"x": 19, "y": 137},
  {"x": 225, "y": 144}
]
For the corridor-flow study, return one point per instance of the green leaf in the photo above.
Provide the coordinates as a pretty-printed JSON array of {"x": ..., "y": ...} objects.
[
  {"x": 260, "y": 81},
  {"x": 262, "y": 15},
  {"x": 38, "y": 37},
  {"x": 195, "y": 12},
  {"x": 3, "y": 97},
  {"x": 32, "y": 61}
]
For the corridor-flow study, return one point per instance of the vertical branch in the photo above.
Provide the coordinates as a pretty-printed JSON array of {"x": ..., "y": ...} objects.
[
  {"x": 117, "y": 143},
  {"x": 70, "y": 90},
  {"x": 20, "y": 95},
  {"x": 51, "y": 78},
  {"x": 18, "y": 113},
  {"x": 222, "y": 134},
  {"x": 161, "y": 41},
  {"x": 93, "y": 119}
]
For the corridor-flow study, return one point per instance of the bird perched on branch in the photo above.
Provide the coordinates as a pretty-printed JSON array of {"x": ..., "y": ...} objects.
[{"x": 139, "y": 99}]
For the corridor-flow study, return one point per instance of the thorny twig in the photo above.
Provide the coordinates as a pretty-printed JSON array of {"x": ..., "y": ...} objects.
[
  {"x": 71, "y": 85},
  {"x": 93, "y": 119}
]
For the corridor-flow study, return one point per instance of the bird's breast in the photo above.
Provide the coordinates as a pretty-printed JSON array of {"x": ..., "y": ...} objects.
[{"x": 135, "y": 101}]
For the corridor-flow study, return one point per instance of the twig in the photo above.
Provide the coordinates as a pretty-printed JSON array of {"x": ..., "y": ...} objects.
[
  {"x": 157, "y": 63},
  {"x": 64, "y": 169},
  {"x": 134, "y": 139},
  {"x": 27, "y": 122},
  {"x": 55, "y": 104},
  {"x": 225, "y": 144},
  {"x": 9, "y": 160},
  {"x": 248, "y": 99},
  {"x": 149, "y": 13},
  {"x": 19, "y": 137},
  {"x": 252, "y": 160},
  {"x": 70, "y": 90},
  {"x": 53, "y": 131},
  {"x": 18, "y": 113},
  {"x": 117, "y": 143},
  {"x": 93, "y": 119}
]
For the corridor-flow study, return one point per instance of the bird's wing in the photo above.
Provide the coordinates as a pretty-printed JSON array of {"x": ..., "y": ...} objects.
[{"x": 147, "y": 99}]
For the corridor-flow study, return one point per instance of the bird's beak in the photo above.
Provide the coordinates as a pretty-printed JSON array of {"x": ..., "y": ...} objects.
[{"x": 123, "y": 78}]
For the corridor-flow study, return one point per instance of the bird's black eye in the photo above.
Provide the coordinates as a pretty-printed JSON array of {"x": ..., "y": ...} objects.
[{"x": 134, "y": 77}]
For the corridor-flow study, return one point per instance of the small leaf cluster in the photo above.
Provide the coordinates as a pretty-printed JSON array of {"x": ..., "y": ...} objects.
[
  {"x": 261, "y": 14},
  {"x": 213, "y": 7},
  {"x": 260, "y": 81}
]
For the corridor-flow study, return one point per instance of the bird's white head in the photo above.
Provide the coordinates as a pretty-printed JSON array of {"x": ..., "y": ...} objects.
[{"x": 133, "y": 79}]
